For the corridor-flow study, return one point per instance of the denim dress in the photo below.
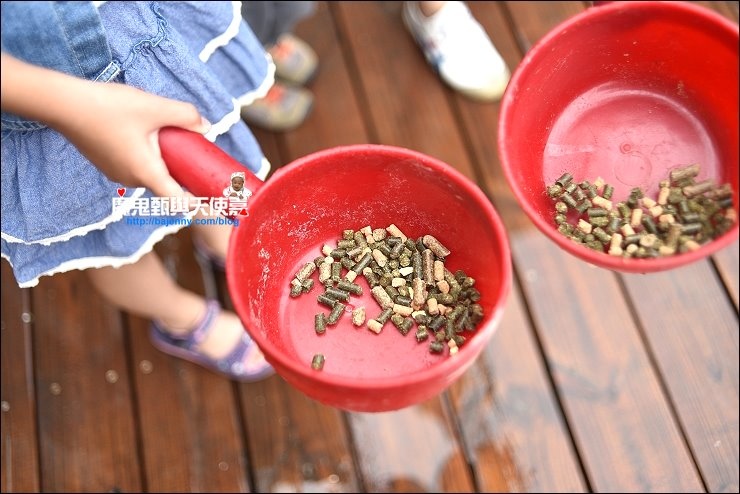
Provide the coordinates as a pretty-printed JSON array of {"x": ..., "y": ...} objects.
[{"x": 58, "y": 209}]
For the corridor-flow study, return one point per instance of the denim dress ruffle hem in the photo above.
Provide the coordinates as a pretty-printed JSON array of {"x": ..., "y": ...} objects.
[{"x": 57, "y": 208}]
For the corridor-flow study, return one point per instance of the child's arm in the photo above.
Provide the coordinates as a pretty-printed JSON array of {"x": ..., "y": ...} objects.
[{"x": 115, "y": 126}]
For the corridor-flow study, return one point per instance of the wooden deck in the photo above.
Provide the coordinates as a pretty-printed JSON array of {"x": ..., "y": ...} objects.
[{"x": 563, "y": 399}]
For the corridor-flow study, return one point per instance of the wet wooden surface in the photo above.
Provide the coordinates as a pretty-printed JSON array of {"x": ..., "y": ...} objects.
[{"x": 563, "y": 398}]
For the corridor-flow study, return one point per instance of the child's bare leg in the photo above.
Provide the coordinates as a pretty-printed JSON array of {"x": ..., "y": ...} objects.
[
  {"x": 215, "y": 237},
  {"x": 146, "y": 289},
  {"x": 429, "y": 8}
]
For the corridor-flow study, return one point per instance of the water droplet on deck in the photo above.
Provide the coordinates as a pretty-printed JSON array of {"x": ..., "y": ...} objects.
[
  {"x": 146, "y": 367},
  {"x": 26, "y": 317},
  {"x": 111, "y": 376},
  {"x": 55, "y": 389}
]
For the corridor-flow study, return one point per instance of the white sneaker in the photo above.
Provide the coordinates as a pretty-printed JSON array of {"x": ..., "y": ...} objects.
[{"x": 459, "y": 49}]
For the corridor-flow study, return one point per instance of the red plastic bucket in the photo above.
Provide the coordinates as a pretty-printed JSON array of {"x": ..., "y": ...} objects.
[
  {"x": 307, "y": 204},
  {"x": 626, "y": 91}
]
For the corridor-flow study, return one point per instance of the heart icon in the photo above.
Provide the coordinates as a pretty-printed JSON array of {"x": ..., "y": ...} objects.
[{"x": 121, "y": 191}]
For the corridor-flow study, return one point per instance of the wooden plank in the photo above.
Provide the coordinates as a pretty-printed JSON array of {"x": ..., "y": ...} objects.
[
  {"x": 534, "y": 19},
  {"x": 610, "y": 393},
  {"x": 269, "y": 142},
  {"x": 414, "y": 449},
  {"x": 428, "y": 456},
  {"x": 734, "y": 8},
  {"x": 727, "y": 9},
  {"x": 298, "y": 444},
  {"x": 191, "y": 439},
  {"x": 334, "y": 92},
  {"x": 86, "y": 424},
  {"x": 728, "y": 266},
  {"x": 337, "y": 116},
  {"x": 620, "y": 418},
  {"x": 513, "y": 427},
  {"x": 190, "y": 435},
  {"x": 19, "y": 471},
  {"x": 694, "y": 340},
  {"x": 407, "y": 104},
  {"x": 726, "y": 261},
  {"x": 514, "y": 397},
  {"x": 411, "y": 108}
]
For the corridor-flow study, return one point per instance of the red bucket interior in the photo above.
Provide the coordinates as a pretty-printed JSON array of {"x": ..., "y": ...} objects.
[
  {"x": 626, "y": 92},
  {"x": 308, "y": 204}
]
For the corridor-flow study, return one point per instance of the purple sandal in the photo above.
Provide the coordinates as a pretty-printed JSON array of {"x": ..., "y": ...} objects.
[{"x": 245, "y": 363}]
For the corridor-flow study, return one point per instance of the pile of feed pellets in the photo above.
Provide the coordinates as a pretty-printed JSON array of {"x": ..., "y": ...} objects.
[
  {"x": 684, "y": 215},
  {"x": 408, "y": 279}
]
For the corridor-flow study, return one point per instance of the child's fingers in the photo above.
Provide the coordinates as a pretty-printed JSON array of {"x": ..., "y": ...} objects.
[
  {"x": 186, "y": 116},
  {"x": 156, "y": 176},
  {"x": 171, "y": 188},
  {"x": 166, "y": 187}
]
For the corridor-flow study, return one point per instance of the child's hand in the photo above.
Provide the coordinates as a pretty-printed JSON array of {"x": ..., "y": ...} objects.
[
  {"x": 118, "y": 132},
  {"x": 115, "y": 126}
]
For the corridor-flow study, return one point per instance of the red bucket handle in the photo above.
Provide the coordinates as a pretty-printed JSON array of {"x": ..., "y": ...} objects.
[{"x": 199, "y": 165}]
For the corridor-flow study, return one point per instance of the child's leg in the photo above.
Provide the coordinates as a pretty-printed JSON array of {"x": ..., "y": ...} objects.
[
  {"x": 146, "y": 289},
  {"x": 215, "y": 237},
  {"x": 430, "y": 8}
]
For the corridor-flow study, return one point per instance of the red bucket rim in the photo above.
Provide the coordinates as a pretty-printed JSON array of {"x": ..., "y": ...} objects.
[
  {"x": 600, "y": 259},
  {"x": 482, "y": 335}
]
